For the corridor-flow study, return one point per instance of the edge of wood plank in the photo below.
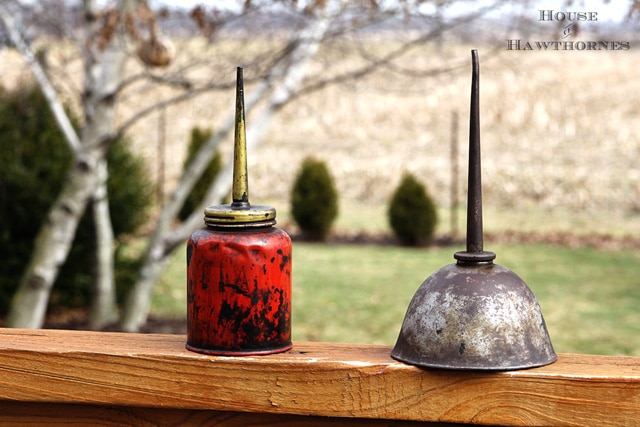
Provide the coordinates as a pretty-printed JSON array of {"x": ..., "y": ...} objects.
[{"x": 323, "y": 379}]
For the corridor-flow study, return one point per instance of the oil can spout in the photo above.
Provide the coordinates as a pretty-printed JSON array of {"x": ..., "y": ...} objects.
[
  {"x": 475, "y": 252},
  {"x": 240, "y": 191},
  {"x": 239, "y": 213}
]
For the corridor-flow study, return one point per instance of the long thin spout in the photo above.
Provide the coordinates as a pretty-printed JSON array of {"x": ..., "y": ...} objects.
[
  {"x": 474, "y": 252},
  {"x": 240, "y": 191},
  {"x": 474, "y": 191}
]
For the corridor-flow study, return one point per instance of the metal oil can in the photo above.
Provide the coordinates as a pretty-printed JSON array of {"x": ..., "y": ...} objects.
[{"x": 239, "y": 271}]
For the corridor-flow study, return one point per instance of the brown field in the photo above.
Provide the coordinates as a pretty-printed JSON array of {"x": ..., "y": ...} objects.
[{"x": 560, "y": 134}]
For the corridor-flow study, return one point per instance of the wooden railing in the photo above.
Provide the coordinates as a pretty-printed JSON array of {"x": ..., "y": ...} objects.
[{"x": 93, "y": 378}]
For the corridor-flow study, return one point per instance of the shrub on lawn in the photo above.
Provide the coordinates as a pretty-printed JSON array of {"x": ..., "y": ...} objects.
[
  {"x": 314, "y": 200},
  {"x": 412, "y": 212}
]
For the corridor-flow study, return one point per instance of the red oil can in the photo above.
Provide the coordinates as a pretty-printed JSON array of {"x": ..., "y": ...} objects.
[{"x": 239, "y": 271}]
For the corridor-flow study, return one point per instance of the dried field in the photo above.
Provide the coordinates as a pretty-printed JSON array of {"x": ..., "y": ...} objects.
[{"x": 560, "y": 131}]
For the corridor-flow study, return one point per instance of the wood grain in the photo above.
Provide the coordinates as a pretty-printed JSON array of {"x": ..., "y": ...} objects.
[
  {"x": 117, "y": 370},
  {"x": 51, "y": 415}
]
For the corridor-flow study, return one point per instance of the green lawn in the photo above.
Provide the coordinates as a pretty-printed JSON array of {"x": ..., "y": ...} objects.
[{"x": 357, "y": 293}]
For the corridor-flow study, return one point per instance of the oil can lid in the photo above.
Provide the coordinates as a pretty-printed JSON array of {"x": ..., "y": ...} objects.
[
  {"x": 228, "y": 216},
  {"x": 240, "y": 213}
]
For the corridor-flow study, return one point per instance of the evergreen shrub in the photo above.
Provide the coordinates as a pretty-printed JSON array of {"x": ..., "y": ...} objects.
[
  {"x": 314, "y": 200},
  {"x": 412, "y": 213}
]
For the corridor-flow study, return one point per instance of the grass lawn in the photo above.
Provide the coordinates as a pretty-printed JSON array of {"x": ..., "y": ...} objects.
[{"x": 359, "y": 293}]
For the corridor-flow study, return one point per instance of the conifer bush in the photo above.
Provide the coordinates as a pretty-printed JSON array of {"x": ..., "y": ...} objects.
[
  {"x": 314, "y": 200},
  {"x": 412, "y": 213},
  {"x": 31, "y": 171},
  {"x": 198, "y": 138},
  {"x": 34, "y": 160}
]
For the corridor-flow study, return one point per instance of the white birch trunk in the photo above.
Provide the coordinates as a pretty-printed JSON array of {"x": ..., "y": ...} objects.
[
  {"x": 165, "y": 241},
  {"x": 104, "y": 310},
  {"x": 103, "y": 78},
  {"x": 52, "y": 246}
]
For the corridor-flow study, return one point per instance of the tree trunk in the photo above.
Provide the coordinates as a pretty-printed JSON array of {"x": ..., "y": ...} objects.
[
  {"x": 103, "y": 74},
  {"x": 52, "y": 246},
  {"x": 164, "y": 242},
  {"x": 104, "y": 309}
]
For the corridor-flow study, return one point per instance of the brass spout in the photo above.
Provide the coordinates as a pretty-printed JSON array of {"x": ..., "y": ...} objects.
[
  {"x": 240, "y": 191},
  {"x": 240, "y": 213}
]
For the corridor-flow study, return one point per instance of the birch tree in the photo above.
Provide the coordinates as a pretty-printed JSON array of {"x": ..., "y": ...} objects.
[
  {"x": 110, "y": 37},
  {"x": 103, "y": 74}
]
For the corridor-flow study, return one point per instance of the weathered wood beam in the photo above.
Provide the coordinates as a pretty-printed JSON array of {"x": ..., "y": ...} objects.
[{"x": 58, "y": 369}]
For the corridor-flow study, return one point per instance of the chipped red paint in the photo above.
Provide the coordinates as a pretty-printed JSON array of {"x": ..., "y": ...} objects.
[{"x": 239, "y": 291}]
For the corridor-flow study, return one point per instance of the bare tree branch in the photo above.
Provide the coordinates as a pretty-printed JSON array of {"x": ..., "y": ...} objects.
[
  {"x": 47, "y": 88},
  {"x": 387, "y": 60}
]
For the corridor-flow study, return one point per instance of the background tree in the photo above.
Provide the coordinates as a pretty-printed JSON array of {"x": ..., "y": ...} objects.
[
  {"x": 106, "y": 42},
  {"x": 86, "y": 180}
]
